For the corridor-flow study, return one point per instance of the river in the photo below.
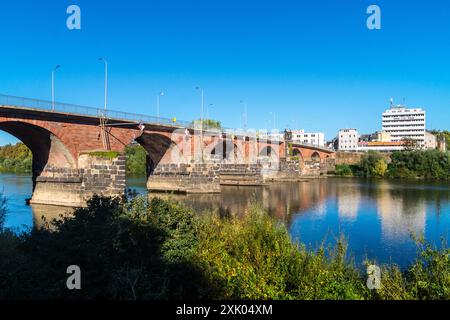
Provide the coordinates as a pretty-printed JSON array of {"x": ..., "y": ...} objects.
[{"x": 376, "y": 216}]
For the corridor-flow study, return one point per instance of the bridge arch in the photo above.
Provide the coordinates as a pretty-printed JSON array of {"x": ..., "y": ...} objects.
[
  {"x": 160, "y": 149},
  {"x": 270, "y": 152},
  {"x": 48, "y": 150},
  {"x": 226, "y": 150},
  {"x": 315, "y": 156}
]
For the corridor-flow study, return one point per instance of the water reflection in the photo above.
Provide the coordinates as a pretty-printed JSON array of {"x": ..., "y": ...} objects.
[{"x": 43, "y": 215}]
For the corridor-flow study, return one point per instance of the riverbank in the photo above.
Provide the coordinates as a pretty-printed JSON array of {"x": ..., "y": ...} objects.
[
  {"x": 429, "y": 164},
  {"x": 163, "y": 250}
]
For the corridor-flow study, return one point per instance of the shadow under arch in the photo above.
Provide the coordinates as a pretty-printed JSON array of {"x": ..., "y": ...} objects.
[
  {"x": 157, "y": 147},
  {"x": 227, "y": 150},
  {"x": 315, "y": 156},
  {"x": 46, "y": 148},
  {"x": 269, "y": 152},
  {"x": 297, "y": 153}
]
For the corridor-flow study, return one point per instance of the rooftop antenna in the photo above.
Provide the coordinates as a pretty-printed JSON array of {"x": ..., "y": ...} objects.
[
  {"x": 392, "y": 103},
  {"x": 404, "y": 102}
]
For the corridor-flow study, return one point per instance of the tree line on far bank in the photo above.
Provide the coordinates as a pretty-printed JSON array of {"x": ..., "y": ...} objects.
[
  {"x": 421, "y": 164},
  {"x": 18, "y": 159}
]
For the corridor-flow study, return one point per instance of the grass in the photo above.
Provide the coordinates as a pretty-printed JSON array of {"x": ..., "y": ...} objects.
[{"x": 107, "y": 155}]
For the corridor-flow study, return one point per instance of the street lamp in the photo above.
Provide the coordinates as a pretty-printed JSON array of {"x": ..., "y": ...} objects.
[
  {"x": 106, "y": 81},
  {"x": 201, "y": 119},
  {"x": 157, "y": 103},
  {"x": 53, "y": 86},
  {"x": 202, "y": 105}
]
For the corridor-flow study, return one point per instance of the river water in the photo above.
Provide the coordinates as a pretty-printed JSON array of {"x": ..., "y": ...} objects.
[{"x": 377, "y": 216}]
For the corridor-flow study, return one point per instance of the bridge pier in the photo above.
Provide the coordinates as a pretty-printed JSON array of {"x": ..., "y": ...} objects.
[
  {"x": 96, "y": 174},
  {"x": 185, "y": 178}
]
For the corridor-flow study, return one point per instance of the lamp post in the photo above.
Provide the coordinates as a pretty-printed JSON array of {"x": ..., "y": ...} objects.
[
  {"x": 157, "y": 103},
  {"x": 106, "y": 81},
  {"x": 53, "y": 86},
  {"x": 201, "y": 118},
  {"x": 202, "y": 105}
]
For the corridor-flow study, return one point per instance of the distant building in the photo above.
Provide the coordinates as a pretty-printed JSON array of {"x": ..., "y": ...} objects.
[
  {"x": 275, "y": 136},
  {"x": 314, "y": 138},
  {"x": 403, "y": 123},
  {"x": 430, "y": 141},
  {"x": 348, "y": 140},
  {"x": 441, "y": 143}
]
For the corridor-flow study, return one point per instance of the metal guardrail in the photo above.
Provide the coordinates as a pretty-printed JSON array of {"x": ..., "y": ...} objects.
[{"x": 72, "y": 109}]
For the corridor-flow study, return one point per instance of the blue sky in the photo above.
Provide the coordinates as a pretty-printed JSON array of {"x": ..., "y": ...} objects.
[{"x": 314, "y": 63}]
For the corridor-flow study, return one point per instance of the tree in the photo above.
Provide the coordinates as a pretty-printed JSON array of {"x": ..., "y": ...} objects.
[
  {"x": 207, "y": 124},
  {"x": 380, "y": 168}
]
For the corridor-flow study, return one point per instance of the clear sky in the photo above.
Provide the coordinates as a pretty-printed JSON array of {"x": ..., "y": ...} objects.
[{"x": 314, "y": 63}]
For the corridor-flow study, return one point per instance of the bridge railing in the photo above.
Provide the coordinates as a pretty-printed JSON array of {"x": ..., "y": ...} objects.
[{"x": 72, "y": 109}]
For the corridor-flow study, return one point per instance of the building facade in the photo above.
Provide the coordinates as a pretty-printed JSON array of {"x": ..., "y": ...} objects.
[
  {"x": 403, "y": 123},
  {"x": 430, "y": 141},
  {"x": 348, "y": 140},
  {"x": 314, "y": 138}
]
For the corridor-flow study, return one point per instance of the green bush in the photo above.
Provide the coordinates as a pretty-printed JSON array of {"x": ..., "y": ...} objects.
[
  {"x": 343, "y": 170},
  {"x": 254, "y": 258}
]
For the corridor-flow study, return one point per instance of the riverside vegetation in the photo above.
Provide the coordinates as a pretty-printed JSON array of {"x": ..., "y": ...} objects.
[
  {"x": 428, "y": 164},
  {"x": 132, "y": 248}
]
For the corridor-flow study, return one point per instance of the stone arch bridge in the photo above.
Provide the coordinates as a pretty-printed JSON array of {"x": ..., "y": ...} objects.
[{"x": 79, "y": 151}]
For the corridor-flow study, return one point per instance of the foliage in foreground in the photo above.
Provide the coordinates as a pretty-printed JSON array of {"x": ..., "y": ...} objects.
[{"x": 131, "y": 249}]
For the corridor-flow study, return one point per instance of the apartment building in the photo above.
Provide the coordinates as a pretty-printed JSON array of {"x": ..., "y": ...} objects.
[
  {"x": 314, "y": 138},
  {"x": 348, "y": 140},
  {"x": 403, "y": 123}
]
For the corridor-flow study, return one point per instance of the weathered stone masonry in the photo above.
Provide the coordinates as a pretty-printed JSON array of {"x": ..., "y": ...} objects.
[{"x": 73, "y": 187}]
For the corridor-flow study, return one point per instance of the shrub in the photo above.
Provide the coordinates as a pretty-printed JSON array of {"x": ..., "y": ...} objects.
[{"x": 343, "y": 170}]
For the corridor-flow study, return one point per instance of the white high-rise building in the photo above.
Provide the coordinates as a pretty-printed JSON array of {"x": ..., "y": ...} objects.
[
  {"x": 403, "y": 123},
  {"x": 348, "y": 140},
  {"x": 314, "y": 138}
]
